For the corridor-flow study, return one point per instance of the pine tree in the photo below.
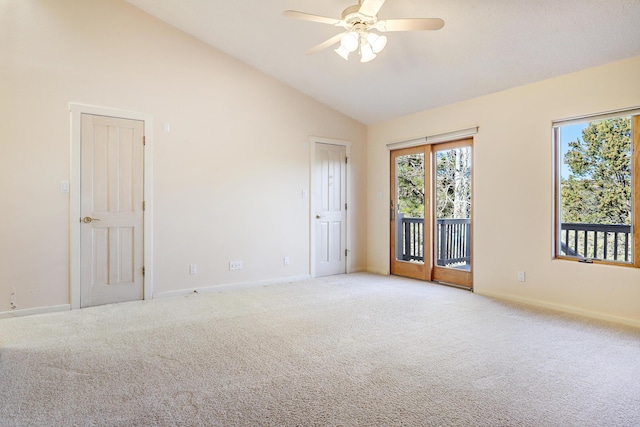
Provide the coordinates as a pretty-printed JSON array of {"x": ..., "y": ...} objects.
[
  {"x": 453, "y": 184},
  {"x": 598, "y": 190},
  {"x": 410, "y": 176}
]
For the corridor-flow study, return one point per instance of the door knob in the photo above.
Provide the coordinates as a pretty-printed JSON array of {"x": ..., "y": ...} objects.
[
  {"x": 88, "y": 219},
  {"x": 318, "y": 216}
]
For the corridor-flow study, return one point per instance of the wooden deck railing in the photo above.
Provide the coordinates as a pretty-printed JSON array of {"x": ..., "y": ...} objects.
[
  {"x": 588, "y": 241},
  {"x": 454, "y": 240},
  {"x": 611, "y": 242},
  {"x": 410, "y": 238}
]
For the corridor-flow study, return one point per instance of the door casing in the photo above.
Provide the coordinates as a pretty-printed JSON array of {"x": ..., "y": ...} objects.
[{"x": 75, "y": 213}]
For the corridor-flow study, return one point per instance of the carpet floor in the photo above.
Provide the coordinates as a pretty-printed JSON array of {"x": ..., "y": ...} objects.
[{"x": 348, "y": 350}]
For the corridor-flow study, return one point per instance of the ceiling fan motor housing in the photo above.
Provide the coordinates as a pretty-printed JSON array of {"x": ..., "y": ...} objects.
[{"x": 356, "y": 20}]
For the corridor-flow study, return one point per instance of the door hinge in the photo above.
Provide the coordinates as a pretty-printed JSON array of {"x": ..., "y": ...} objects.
[
  {"x": 345, "y": 252},
  {"x": 346, "y": 160},
  {"x": 143, "y": 271},
  {"x": 144, "y": 140},
  {"x": 345, "y": 206},
  {"x": 144, "y": 205}
]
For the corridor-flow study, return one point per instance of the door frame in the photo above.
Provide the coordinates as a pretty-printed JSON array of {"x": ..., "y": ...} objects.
[
  {"x": 313, "y": 141},
  {"x": 430, "y": 140},
  {"x": 76, "y": 111}
]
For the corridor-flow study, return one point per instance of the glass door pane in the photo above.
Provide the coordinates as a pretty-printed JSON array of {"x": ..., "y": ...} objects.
[{"x": 409, "y": 209}]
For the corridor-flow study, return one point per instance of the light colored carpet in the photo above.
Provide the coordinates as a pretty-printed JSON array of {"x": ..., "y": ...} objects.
[{"x": 350, "y": 350}]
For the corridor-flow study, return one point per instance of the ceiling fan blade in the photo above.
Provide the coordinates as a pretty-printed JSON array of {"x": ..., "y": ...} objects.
[
  {"x": 325, "y": 44},
  {"x": 410, "y": 24},
  {"x": 370, "y": 7},
  {"x": 309, "y": 17}
]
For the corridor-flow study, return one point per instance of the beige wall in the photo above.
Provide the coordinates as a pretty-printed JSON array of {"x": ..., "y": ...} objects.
[
  {"x": 513, "y": 190},
  {"x": 228, "y": 178}
]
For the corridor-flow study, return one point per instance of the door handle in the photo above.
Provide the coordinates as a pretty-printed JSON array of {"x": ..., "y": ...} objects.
[
  {"x": 319, "y": 216},
  {"x": 88, "y": 219}
]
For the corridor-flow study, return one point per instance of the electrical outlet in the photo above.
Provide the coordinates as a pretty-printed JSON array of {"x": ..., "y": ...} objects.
[
  {"x": 235, "y": 265},
  {"x": 193, "y": 269},
  {"x": 287, "y": 261},
  {"x": 521, "y": 276}
]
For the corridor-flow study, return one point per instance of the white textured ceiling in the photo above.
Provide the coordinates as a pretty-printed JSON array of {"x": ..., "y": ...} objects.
[{"x": 484, "y": 47}]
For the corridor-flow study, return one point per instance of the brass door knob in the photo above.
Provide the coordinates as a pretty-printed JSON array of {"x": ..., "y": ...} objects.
[{"x": 88, "y": 219}]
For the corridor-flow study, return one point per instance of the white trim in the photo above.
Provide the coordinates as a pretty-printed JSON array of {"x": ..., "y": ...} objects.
[
  {"x": 312, "y": 161},
  {"x": 434, "y": 139},
  {"x": 77, "y": 110},
  {"x": 32, "y": 311},
  {"x": 230, "y": 286},
  {"x": 634, "y": 111},
  {"x": 561, "y": 308}
]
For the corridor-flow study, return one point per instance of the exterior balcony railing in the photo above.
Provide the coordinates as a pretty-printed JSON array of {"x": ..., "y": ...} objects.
[
  {"x": 453, "y": 240},
  {"x": 609, "y": 242}
]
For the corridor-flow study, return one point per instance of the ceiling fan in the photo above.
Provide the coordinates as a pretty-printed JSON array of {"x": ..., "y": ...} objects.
[{"x": 360, "y": 21}]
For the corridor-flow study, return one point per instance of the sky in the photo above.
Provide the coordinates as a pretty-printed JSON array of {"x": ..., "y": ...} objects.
[{"x": 569, "y": 133}]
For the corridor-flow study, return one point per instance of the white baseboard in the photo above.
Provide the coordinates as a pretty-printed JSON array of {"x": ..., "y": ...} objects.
[
  {"x": 32, "y": 311},
  {"x": 562, "y": 308},
  {"x": 359, "y": 270},
  {"x": 229, "y": 286}
]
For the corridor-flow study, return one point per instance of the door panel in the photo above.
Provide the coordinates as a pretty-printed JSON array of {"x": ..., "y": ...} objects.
[
  {"x": 410, "y": 249},
  {"x": 453, "y": 213},
  {"x": 112, "y": 213},
  {"x": 100, "y": 256},
  {"x": 330, "y": 217}
]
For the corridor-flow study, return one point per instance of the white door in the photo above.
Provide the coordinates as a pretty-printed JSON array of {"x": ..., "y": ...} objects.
[
  {"x": 330, "y": 209},
  {"x": 111, "y": 231}
]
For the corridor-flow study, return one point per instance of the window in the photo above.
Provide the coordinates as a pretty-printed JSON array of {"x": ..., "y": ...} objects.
[{"x": 598, "y": 188}]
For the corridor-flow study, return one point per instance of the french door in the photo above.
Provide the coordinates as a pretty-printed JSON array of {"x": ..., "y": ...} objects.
[{"x": 431, "y": 212}]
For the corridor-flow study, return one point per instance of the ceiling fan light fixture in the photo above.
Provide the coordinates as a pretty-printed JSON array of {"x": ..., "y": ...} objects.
[
  {"x": 342, "y": 52},
  {"x": 366, "y": 53},
  {"x": 359, "y": 21},
  {"x": 377, "y": 42},
  {"x": 349, "y": 41}
]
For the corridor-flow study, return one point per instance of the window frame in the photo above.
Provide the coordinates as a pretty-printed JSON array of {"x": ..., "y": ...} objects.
[{"x": 634, "y": 113}]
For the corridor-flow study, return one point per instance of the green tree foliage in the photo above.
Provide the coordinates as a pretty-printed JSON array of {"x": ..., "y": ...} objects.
[
  {"x": 410, "y": 176},
  {"x": 453, "y": 184},
  {"x": 598, "y": 189}
]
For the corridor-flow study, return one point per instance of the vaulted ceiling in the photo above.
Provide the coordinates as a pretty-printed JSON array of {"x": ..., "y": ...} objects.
[{"x": 484, "y": 47}]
